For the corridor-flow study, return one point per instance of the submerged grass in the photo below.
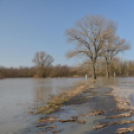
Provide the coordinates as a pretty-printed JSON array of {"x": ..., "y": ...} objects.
[{"x": 56, "y": 102}]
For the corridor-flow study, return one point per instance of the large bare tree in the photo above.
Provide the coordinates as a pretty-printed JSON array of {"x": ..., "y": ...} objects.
[
  {"x": 43, "y": 62},
  {"x": 111, "y": 48},
  {"x": 89, "y": 34}
]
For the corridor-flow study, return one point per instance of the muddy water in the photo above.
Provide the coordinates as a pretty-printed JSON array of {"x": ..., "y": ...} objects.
[{"x": 18, "y": 96}]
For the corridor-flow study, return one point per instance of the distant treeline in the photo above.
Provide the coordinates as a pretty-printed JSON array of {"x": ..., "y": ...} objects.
[
  {"x": 16, "y": 72},
  {"x": 122, "y": 68},
  {"x": 51, "y": 71},
  {"x": 118, "y": 67}
]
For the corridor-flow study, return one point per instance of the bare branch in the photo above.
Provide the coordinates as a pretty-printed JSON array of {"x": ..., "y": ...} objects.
[{"x": 89, "y": 35}]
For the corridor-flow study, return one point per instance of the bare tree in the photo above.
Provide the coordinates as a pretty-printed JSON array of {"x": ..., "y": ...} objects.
[
  {"x": 43, "y": 62},
  {"x": 111, "y": 48},
  {"x": 88, "y": 35}
]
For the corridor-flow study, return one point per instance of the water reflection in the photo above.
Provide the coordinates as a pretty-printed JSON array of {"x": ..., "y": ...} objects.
[{"x": 44, "y": 89}]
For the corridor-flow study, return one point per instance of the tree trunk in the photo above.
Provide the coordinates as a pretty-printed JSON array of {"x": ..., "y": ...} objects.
[
  {"x": 94, "y": 71},
  {"x": 107, "y": 70}
]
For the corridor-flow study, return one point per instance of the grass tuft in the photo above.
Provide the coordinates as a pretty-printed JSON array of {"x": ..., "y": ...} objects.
[{"x": 56, "y": 102}]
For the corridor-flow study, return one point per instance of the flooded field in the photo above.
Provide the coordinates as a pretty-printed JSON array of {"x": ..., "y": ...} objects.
[{"x": 18, "y": 96}]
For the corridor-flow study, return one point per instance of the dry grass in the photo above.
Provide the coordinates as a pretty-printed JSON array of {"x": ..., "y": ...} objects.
[{"x": 56, "y": 102}]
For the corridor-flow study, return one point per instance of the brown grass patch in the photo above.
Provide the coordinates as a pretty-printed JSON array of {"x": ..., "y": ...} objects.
[{"x": 56, "y": 102}]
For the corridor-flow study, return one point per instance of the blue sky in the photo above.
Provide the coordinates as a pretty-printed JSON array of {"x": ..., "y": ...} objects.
[{"x": 28, "y": 26}]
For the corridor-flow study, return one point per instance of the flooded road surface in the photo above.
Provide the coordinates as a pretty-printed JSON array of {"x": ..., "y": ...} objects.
[
  {"x": 19, "y": 95},
  {"x": 97, "y": 99}
]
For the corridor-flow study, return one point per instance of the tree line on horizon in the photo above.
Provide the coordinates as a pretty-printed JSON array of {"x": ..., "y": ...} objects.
[
  {"x": 54, "y": 71},
  {"x": 121, "y": 68}
]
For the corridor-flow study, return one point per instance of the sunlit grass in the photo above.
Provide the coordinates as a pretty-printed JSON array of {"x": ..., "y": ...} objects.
[{"x": 57, "y": 101}]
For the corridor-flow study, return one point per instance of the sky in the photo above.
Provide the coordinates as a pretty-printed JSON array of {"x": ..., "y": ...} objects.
[{"x": 28, "y": 26}]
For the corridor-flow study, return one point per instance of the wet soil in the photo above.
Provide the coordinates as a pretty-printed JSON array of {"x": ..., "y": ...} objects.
[{"x": 82, "y": 98}]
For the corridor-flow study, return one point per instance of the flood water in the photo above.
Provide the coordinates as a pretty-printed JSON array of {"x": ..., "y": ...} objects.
[{"x": 19, "y": 95}]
